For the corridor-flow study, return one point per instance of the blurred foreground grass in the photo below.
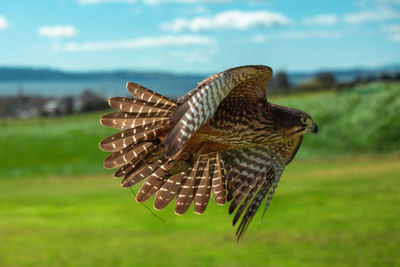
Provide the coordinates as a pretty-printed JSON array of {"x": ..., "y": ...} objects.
[{"x": 325, "y": 213}]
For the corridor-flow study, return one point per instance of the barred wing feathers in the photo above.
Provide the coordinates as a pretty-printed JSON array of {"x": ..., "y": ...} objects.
[
  {"x": 168, "y": 191},
  {"x": 196, "y": 187},
  {"x": 217, "y": 179},
  {"x": 139, "y": 119},
  {"x": 135, "y": 146},
  {"x": 253, "y": 175},
  {"x": 198, "y": 106},
  {"x": 150, "y": 97},
  {"x": 202, "y": 193}
]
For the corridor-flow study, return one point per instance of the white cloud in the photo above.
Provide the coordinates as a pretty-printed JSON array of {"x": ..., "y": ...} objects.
[
  {"x": 381, "y": 3},
  {"x": 200, "y": 10},
  {"x": 156, "y": 2},
  {"x": 231, "y": 19},
  {"x": 57, "y": 31},
  {"x": 379, "y": 14},
  {"x": 193, "y": 10},
  {"x": 310, "y": 35},
  {"x": 141, "y": 43},
  {"x": 393, "y": 32},
  {"x": 321, "y": 19},
  {"x": 392, "y": 28},
  {"x": 395, "y": 37},
  {"x": 3, "y": 23},
  {"x": 388, "y": 2},
  {"x": 296, "y": 35},
  {"x": 137, "y": 11},
  {"x": 259, "y": 38},
  {"x": 92, "y": 2}
]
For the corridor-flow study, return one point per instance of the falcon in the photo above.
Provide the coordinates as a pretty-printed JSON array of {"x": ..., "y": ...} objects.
[{"x": 223, "y": 139}]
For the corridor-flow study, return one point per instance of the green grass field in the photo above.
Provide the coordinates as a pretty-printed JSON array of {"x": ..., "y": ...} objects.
[
  {"x": 325, "y": 213},
  {"x": 363, "y": 121},
  {"x": 336, "y": 205}
]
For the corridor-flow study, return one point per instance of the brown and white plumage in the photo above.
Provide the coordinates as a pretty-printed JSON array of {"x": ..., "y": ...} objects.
[{"x": 222, "y": 134}]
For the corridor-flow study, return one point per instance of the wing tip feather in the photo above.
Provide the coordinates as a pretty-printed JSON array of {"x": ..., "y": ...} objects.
[
  {"x": 158, "y": 207},
  {"x": 125, "y": 184},
  {"x": 178, "y": 213},
  {"x": 110, "y": 100},
  {"x": 199, "y": 212},
  {"x": 108, "y": 166},
  {"x": 130, "y": 85},
  {"x": 220, "y": 203}
]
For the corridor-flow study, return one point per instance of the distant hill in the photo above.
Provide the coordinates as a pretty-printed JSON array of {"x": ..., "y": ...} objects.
[
  {"x": 45, "y": 74},
  {"x": 52, "y": 82},
  {"x": 42, "y": 74}
]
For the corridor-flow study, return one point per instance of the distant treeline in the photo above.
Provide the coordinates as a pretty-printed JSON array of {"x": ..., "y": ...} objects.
[
  {"x": 294, "y": 78},
  {"x": 280, "y": 83},
  {"x": 30, "y": 106},
  {"x": 29, "y": 74}
]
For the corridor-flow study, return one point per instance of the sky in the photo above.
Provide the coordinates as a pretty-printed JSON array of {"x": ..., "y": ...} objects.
[{"x": 199, "y": 36}]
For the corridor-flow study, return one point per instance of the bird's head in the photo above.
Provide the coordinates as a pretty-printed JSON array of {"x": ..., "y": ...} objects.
[
  {"x": 308, "y": 124},
  {"x": 294, "y": 121}
]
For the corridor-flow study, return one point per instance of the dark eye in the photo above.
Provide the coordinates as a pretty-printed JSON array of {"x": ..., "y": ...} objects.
[{"x": 304, "y": 120}]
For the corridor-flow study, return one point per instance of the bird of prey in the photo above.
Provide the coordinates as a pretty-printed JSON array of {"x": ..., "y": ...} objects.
[{"x": 222, "y": 138}]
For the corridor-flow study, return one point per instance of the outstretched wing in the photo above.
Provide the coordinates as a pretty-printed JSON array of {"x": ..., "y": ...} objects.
[
  {"x": 137, "y": 152},
  {"x": 253, "y": 174},
  {"x": 244, "y": 84}
]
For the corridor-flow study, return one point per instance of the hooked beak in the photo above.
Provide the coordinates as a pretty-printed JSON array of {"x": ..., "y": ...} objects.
[{"x": 314, "y": 128}]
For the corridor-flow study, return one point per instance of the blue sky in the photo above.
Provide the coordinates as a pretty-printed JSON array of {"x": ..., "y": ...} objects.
[{"x": 189, "y": 36}]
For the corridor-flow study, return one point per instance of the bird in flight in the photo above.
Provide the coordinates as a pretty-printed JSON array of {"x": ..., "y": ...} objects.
[{"x": 223, "y": 139}]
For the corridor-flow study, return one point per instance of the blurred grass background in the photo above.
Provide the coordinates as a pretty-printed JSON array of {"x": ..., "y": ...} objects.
[
  {"x": 364, "y": 120},
  {"x": 337, "y": 203}
]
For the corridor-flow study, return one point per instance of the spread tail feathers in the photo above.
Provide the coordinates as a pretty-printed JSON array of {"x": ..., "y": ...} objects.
[{"x": 138, "y": 151}]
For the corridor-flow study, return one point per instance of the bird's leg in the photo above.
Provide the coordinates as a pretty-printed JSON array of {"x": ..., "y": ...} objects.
[
  {"x": 187, "y": 158},
  {"x": 180, "y": 165},
  {"x": 175, "y": 167}
]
